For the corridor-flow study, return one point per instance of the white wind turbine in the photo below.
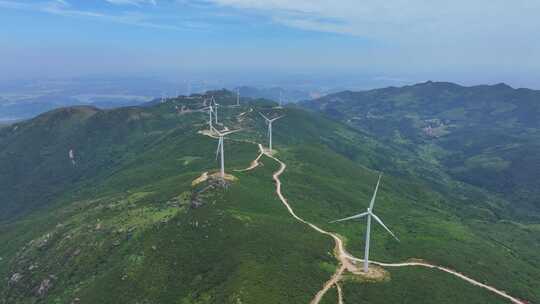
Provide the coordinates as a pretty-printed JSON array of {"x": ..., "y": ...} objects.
[
  {"x": 210, "y": 110},
  {"x": 369, "y": 213},
  {"x": 269, "y": 122},
  {"x": 238, "y": 97},
  {"x": 280, "y": 99},
  {"x": 216, "y": 105},
  {"x": 220, "y": 151}
]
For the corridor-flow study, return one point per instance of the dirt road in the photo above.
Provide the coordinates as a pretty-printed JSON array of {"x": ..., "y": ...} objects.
[{"x": 345, "y": 258}]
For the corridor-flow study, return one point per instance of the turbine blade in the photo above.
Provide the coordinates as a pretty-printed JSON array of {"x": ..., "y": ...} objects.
[
  {"x": 218, "y": 146},
  {"x": 215, "y": 130},
  {"x": 231, "y": 132},
  {"x": 384, "y": 226},
  {"x": 274, "y": 119},
  {"x": 351, "y": 217},
  {"x": 265, "y": 118},
  {"x": 375, "y": 193}
]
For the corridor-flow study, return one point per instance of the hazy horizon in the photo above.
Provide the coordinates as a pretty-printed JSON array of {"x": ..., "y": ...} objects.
[{"x": 250, "y": 42}]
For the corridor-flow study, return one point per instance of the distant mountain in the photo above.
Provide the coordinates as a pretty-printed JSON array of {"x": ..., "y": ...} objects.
[
  {"x": 486, "y": 135},
  {"x": 32, "y": 107},
  {"x": 275, "y": 93},
  {"x": 27, "y": 99}
]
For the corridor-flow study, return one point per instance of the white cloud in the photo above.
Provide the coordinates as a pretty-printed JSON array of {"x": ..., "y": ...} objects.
[
  {"x": 132, "y": 2},
  {"x": 400, "y": 18},
  {"x": 480, "y": 32},
  {"x": 64, "y": 8}
]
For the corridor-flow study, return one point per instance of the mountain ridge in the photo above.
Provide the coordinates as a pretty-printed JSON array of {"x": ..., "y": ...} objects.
[
  {"x": 132, "y": 228},
  {"x": 475, "y": 133}
]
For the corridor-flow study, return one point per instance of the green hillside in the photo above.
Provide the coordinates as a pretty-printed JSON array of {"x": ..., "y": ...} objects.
[
  {"x": 125, "y": 224},
  {"x": 487, "y": 136}
]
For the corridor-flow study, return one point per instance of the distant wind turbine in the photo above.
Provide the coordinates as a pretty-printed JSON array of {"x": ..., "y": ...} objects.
[
  {"x": 238, "y": 97},
  {"x": 280, "y": 99},
  {"x": 210, "y": 110},
  {"x": 216, "y": 105},
  {"x": 220, "y": 150},
  {"x": 269, "y": 122},
  {"x": 369, "y": 213}
]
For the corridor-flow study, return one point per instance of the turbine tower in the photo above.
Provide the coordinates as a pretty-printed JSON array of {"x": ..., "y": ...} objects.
[
  {"x": 210, "y": 110},
  {"x": 220, "y": 152},
  {"x": 269, "y": 122},
  {"x": 215, "y": 110},
  {"x": 238, "y": 97},
  {"x": 369, "y": 213}
]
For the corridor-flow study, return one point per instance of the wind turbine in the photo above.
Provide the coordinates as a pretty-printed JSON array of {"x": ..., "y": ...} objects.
[
  {"x": 238, "y": 97},
  {"x": 369, "y": 213},
  {"x": 219, "y": 150},
  {"x": 215, "y": 109},
  {"x": 210, "y": 111},
  {"x": 269, "y": 122}
]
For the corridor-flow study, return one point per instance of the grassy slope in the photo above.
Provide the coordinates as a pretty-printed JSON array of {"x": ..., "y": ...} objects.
[
  {"x": 126, "y": 235},
  {"x": 485, "y": 135}
]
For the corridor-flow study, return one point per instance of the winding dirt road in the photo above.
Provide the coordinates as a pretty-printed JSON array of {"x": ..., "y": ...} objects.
[
  {"x": 339, "y": 249},
  {"x": 339, "y": 293},
  {"x": 452, "y": 272},
  {"x": 255, "y": 163},
  {"x": 345, "y": 258}
]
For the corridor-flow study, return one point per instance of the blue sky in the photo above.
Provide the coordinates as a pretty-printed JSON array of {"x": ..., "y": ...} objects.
[{"x": 468, "y": 41}]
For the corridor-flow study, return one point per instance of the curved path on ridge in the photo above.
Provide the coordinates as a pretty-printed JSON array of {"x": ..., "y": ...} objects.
[
  {"x": 345, "y": 258},
  {"x": 452, "y": 272},
  {"x": 255, "y": 163},
  {"x": 339, "y": 249},
  {"x": 339, "y": 293}
]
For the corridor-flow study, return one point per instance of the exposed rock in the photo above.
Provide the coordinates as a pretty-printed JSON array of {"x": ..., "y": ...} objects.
[
  {"x": 76, "y": 301},
  {"x": 41, "y": 243},
  {"x": 195, "y": 203},
  {"x": 44, "y": 287},
  {"x": 15, "y": 278},
  {"x": 154, "y": 248},
  {"x": 77, "y": 252}
]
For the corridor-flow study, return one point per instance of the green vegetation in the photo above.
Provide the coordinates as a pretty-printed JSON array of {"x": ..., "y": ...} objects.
[
  {"x": 121, "y": 225},
  {"x": 486, "y": 136}
]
